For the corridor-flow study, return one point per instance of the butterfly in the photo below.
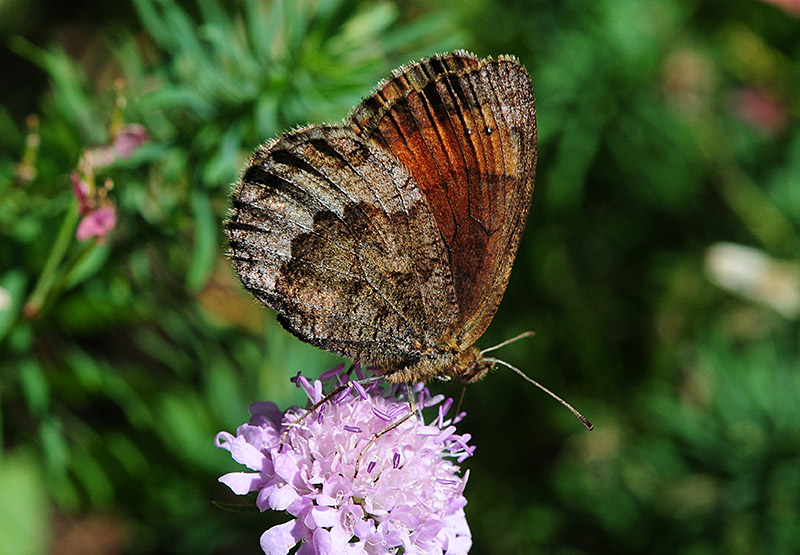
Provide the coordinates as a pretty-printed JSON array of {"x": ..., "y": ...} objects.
[{"x": 389, "y": 239}]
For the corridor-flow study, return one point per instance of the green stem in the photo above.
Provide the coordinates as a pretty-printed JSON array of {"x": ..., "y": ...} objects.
[
  {"x": 85, "y": 248},
  {"x": 44, "y": 287}
]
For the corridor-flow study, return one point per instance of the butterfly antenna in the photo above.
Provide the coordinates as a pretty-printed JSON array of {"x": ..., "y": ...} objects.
[
  {"x": 523, "y": 335},
  {"x": 580, "y": 417}
]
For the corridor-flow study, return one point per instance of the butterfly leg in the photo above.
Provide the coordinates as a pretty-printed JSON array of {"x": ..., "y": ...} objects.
[
  {"x": 412, "y": 409},
  {"x": 318, "y": 404}
]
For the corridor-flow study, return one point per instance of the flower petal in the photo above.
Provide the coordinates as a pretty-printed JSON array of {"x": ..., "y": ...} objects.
[
  {"x": 279, "y": 539},
  {"x": 244, "y": 453},
  {"x": 80, "y": 189},
  {"x": 282, "y": 497},
  {"x": 129, "y": 139},
  {"x": 97, "y": 223},
  {"x": 242, "y": 482},
  {"x": 325, "y": 517}
]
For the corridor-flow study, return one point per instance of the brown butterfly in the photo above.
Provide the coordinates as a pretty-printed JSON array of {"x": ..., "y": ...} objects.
[{"x": 389, "y": 239}]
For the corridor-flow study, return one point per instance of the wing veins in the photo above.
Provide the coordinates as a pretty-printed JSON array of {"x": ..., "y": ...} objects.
[{"x": 366, "y": 218}]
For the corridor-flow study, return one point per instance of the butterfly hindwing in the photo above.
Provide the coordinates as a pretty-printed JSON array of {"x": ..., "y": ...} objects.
[{"x": 333, "y": 233}]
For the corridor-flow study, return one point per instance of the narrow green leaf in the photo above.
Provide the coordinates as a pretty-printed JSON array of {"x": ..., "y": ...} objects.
[
  {"x": 24, "y": 506},
  {"x": 86, "y": 263},
  {"x": 205, "y": 242},
  {"x": 222, "y": 167},
  {"x": 577, "y": 149},
  {"x": 12, "y": 295},
  {"x": 181, "y": 97},
  {"x": 154, "y": 22},
  {"x": 34, "y": 386},
  {"x": 92, "y": 476},
  {"x": 214, "y": 14}
]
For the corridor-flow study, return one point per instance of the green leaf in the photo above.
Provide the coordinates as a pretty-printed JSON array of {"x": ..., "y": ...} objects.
[
  {"x": 152, "y": 20},
  {"x": 227, "y": 159},
  {"x": 577, "y": 149},
  {"x": 205, "y": 242},
  {"x": 12, "y": 295},
  {"x": 186, "y": 428},
  {"x": 24, "y": 505},
  {"x": 92, "y": 476},
  {"x": 34, "y": 386},
  {"x": 69, "y": 87},
  {"x": 180, "y": 97},
  {"x": 87, "y": 263}
]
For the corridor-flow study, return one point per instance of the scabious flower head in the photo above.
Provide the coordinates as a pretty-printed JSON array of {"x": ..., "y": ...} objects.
[{"x": 406, "y": 496}]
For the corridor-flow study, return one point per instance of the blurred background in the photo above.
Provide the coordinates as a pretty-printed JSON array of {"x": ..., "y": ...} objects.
[{"x": 660, "y": 267}]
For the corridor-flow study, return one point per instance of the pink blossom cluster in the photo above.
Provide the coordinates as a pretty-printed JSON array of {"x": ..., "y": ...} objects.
[{"x": 98, "y": 214}]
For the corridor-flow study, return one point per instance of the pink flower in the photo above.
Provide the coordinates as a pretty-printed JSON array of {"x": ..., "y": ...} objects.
[
  {"x": 98, "y": 215},
  {"x": 789, "y": 6},
  {"x": 407, "y": 493},
  {"x": 131, "y": 137},
  {"x": 81, "y": 191},
  {"x": 123, "y": 144},
  {"x": 97, "y": 223},
  {"x": 761, "y": 111}
]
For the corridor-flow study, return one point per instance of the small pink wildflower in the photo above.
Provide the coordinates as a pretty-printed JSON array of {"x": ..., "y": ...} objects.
[
  {"x": 97, "y": 223},
  {"x": 789, "y": 6},
  {"x": 98, "y": 215},
  {"x": 123, "y": 144},
  {"x": 407, "y": 494},
  {"x": 761, "y": 111},
  {"x": 131, "y": 137},
  {"x": 81, "y": 191}
]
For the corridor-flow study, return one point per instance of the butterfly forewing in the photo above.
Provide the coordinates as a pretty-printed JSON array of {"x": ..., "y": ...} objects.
[{"x": 466, "y": 130}]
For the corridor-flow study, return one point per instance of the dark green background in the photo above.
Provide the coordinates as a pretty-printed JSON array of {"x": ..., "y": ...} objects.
[{"x": 666, "y": 126}]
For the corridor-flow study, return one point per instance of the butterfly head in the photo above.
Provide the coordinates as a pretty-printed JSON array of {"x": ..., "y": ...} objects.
[{"x": 472, "y": 366}]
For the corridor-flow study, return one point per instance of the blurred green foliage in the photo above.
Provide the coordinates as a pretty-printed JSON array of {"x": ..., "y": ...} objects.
[{"x": 665, "y": 126}]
